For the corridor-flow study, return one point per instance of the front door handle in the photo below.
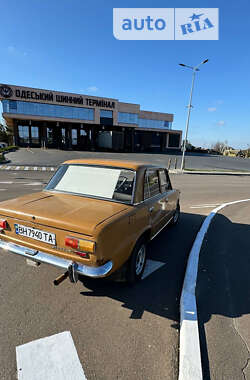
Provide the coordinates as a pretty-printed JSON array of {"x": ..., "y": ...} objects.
[{"x": 151, "y": 209}]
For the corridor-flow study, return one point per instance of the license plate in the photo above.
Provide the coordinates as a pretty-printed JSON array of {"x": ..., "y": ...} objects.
[{"x": 33, "y": 233}]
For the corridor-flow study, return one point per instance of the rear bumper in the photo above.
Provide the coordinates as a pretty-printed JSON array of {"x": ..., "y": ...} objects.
[{"x": 41, "y": 257}]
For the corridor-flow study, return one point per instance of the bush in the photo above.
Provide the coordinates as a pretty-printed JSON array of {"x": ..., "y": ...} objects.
[{"x": 8, "y": 149}]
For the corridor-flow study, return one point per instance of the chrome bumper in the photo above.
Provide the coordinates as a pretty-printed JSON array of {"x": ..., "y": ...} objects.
[{"x": 42, "y": 257}]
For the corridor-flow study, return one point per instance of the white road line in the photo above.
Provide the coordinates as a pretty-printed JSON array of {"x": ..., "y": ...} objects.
[
  {"x": 35, "y": 168},
  {"x": 6, "y": 182},
  {"x": 18, "y": 167},
  {"x": 44, "y": 168},
  {"x": 51, "y": 358},
  {"x": 34, "y": 184},
  {"x": 151, "y": 266},
  {"x": 3, "y": 189},
  {"x": 190, "y": 357},
  {"x": 206, "y": 206}
]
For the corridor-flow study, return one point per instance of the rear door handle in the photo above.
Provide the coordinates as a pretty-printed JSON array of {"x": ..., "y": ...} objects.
[{"x": 151, "y": 209}]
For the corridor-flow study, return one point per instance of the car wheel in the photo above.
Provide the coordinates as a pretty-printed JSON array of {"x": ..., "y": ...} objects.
[
  {"x": 176, "y": 215},
  {"x": 137, "y": 262}
]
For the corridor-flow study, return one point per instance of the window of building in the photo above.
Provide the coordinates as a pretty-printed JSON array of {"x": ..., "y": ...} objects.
[
  {"x": 23, "y": 132},
  {"x": 151, "y": 184},
  {"x": 150, "y": 123},
  {"x": 106, "y": 117},
  {"x": 34, "y": 135},
  {"x": 127, "y": 118},
  {"x": 174, "y": 140},
  {"x": 51, "y": 110},
  {"x": 106, "y": 113}
]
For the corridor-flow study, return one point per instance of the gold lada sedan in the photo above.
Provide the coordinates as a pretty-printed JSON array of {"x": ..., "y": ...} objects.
[{"x": 95, "y": 217}]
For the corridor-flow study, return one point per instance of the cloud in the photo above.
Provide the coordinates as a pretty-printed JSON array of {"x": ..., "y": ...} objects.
[
  {"x": 221, "y": 122},
  {"x": 92, "y": 89},
  {"x": 12, "y": 50},
  {"x": 211, "y": 109}
]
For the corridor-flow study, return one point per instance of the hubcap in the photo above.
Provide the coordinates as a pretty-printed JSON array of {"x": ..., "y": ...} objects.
[{"x": 140, "y": 260}]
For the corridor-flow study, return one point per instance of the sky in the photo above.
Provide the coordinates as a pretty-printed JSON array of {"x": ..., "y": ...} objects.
[{"x": 69, "y": 46}]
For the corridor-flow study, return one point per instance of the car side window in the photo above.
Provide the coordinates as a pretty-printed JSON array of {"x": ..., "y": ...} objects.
[
  {"x": 163, "y": 180},
  {"x": 165, "y": 183},
  {"x": 151, "y": 184},
  {"x": 169, "y": 186}
]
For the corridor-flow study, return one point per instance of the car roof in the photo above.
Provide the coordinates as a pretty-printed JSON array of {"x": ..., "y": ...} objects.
[{"x": 134, "y": 165}]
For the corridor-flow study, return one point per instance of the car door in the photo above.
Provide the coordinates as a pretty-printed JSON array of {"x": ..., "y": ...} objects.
[{"x": 154, "y": 200}]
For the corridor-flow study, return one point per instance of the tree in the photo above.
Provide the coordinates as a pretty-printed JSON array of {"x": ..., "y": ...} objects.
[
  {"x": 219, "y": 146},
  {"x": 6, "y": 134}
]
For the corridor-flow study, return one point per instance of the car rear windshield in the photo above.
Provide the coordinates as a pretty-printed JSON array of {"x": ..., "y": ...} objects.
[{"x": 94, "y": 181}]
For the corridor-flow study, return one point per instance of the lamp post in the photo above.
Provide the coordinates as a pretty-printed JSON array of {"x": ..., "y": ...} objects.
[{"x": 194, "y": 69}]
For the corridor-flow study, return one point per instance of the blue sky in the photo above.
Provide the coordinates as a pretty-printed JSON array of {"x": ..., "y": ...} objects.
[{"x": 69, "y": 46}]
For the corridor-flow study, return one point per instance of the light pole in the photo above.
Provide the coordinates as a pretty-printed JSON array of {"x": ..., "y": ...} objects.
[{"x": 194, "y": 69}]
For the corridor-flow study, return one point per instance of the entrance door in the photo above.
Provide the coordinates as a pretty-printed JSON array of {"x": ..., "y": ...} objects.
[{"x": 74, "y": 138}]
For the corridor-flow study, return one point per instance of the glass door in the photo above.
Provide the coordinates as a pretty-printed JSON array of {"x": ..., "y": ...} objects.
[{"x": 74, "y": 137}]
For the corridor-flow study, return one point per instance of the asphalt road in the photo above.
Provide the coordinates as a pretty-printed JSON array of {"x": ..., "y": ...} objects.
[
  {"x": 119, "y": 332},
  {"x": 223, "y": 295},
  {"x": 39, "y": 157}
]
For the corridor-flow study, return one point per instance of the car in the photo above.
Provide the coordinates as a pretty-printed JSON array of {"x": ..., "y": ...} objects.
[{"x": 94, "y": 218}]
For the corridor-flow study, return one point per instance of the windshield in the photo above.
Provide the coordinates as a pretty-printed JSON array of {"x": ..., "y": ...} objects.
[{"x": 94, "y": 181}]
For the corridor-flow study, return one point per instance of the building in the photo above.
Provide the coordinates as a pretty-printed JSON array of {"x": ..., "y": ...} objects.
[{"x": 52, "y": 119}]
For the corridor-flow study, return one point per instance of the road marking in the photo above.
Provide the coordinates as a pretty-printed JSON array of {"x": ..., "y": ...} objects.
[
  {"x": 204, "y": 206},
  {"x": 18, "y": 167},
  {"x": 35, "y": 168},
  {"x": 190, "y": 357},
  {"x": 7, "y": 182},
  {"x": 151, "y": 266},
  {"x": 44, "y": 168},
  {"x": 34, "y": 184},
  {"x": 3, "y": 189},
  {"x": 52, "y": 358}
]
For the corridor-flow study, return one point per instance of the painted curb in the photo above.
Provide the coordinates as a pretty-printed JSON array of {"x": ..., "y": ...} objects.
[{"x": 190, "y": 358}]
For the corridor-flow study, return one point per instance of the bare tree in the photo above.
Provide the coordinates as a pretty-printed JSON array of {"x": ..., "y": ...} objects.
[{"x": 220, "y": 146}]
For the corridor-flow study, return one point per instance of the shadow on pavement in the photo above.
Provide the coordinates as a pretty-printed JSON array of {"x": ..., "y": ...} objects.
[
  {"x": 160, "y": 292},
  {"x": 223, "y": 287}
]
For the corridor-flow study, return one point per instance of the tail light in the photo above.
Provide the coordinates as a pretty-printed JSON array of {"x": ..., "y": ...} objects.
[
  {"x": 3, "y": 224},
  {"x": 82, "y": 247}
]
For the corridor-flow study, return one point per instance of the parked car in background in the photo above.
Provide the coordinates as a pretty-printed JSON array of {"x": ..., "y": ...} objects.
[{"x": 93, "y": 218}]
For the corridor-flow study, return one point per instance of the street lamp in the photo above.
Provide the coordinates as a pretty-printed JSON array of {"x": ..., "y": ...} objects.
[{"x": 194, "y": 69}]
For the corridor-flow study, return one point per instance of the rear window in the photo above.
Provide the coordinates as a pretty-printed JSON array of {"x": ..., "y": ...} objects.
[{"x": 94, "y": 181}]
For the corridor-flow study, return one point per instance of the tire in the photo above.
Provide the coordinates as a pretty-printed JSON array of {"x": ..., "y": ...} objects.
[
  {"x": 137, "y": 262},
  {"x": 176, "y": 216}
]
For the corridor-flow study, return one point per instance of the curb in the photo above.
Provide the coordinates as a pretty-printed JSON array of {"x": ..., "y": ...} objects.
[
  {"x": 28, "y": 168},
  {"x": 190, "y": 367},
  {"x": 178, "y": 171},
  {"x": 215, "y": 173}
]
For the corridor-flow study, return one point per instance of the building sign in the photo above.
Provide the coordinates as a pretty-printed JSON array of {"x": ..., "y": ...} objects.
[
  {"x": 41, "y": 96},
  {"x": 6, "y": 92}
]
